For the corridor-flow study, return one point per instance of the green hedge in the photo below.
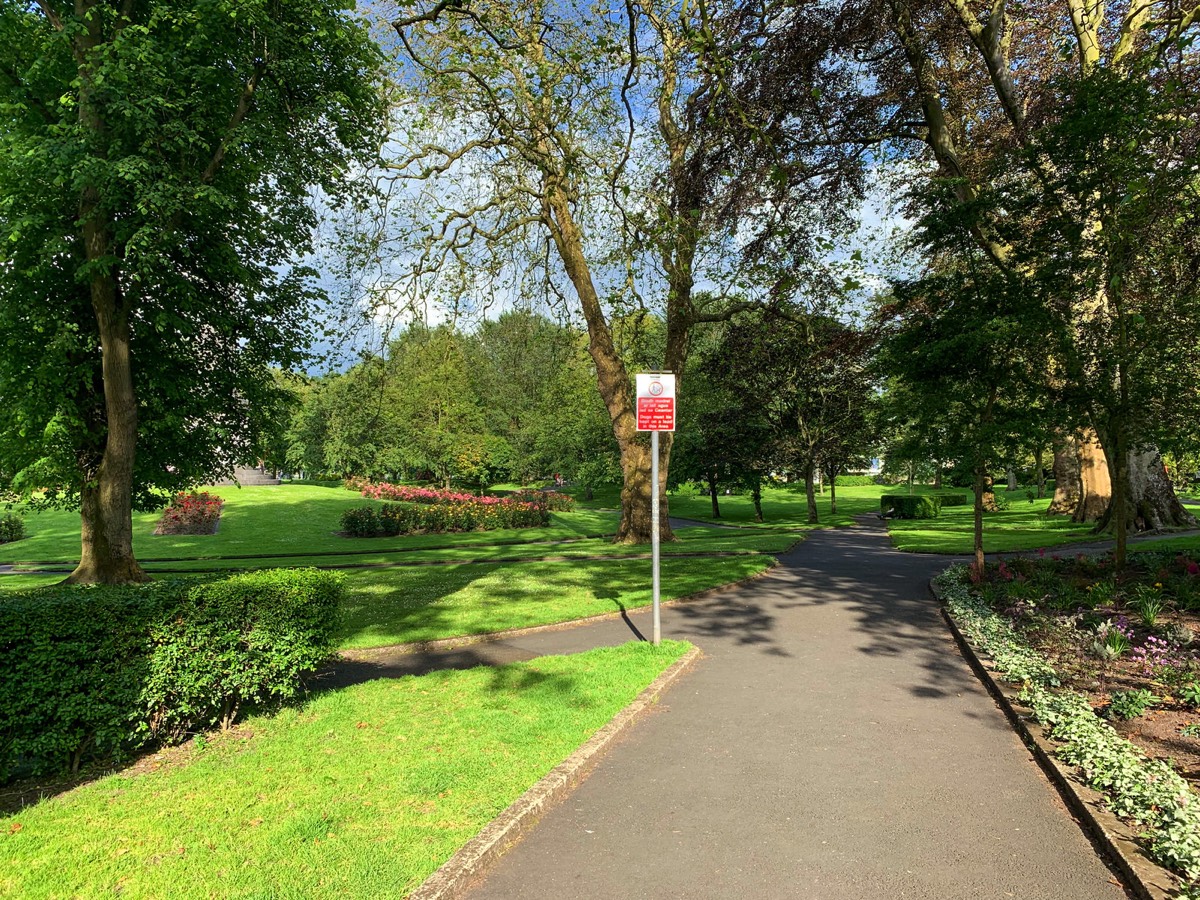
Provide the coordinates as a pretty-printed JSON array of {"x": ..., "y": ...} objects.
[
  {"x": 855, "y": 481},
  {"x": 12, "y": 528},
  {"x": 94, "y": 672},
  {"x": 392, "y": 519},
  {"x": 911, "y": 506},
  {"x": 955, "y": 499}
]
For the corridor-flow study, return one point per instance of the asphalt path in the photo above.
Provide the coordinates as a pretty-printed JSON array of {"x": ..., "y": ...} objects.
[{"x": 832, "y": 743}]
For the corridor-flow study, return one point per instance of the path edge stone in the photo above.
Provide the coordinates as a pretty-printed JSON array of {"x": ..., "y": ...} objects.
[
  {"x": 367, "y": 654},
  {"x": 471, "y": 860},
  {"x": 1144, "y": 878}
]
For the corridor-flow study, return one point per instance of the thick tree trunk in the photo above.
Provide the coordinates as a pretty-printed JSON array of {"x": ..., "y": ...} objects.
[
  {"x": 756, "y": 497},
  {"x": 1095, "y": 492},
  {"x": 612, "y": 381},
  {"x": 1012, "y": 478},
  {"x": 937, "y": 477},
  {"x": 1068, "y": 485},
  {"x": 1150, "y": 500},
  {"x": 712, "y": 492}
]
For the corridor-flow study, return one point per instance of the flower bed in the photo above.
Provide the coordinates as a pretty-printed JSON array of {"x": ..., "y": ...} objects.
[
  {"x": 1106, "y": 665},
  {"x": 407, "y": 493},
  {"x": 191, "y": 512},
  {"x": 438, "y": 518}
]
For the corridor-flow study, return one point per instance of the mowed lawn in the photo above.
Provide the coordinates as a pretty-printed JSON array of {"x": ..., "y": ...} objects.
[
  {"x": 362, "y": 793},
  {"x": 1023, "y": 526}
]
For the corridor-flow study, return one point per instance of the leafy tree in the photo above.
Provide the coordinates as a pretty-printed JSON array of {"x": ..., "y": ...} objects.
[{"x": 157, "y": 163}]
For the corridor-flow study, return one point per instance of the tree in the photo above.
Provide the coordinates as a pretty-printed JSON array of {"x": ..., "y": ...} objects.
[
  {"x": 613, "y": 146},
  {"x": 996, "y": 100},
  {"x": 157, "y": 163}
]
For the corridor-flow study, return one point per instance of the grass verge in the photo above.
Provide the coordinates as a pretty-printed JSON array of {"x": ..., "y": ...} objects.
[
  {"x": 1023, "y": 526},
  {"x": 362, "y": 793}
]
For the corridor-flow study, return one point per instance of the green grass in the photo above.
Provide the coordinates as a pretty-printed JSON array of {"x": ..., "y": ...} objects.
[
  {"x": 397, "y": 606},
  {"x": 1023, "y": 526},
  {"x": 362, "y": 793},
  {"x": 288, "y": 518}
]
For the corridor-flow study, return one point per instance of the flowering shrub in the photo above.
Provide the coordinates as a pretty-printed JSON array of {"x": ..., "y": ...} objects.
[
  {"x": 191, "y": 512},
  {"x": 438, "y": 518},
  {"x": 406, "y": 493},
  {"x": 552, "y": 500}
]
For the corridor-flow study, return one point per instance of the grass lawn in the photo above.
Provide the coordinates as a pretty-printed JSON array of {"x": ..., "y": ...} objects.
[
  {"x": 783, "y": 506},
  {"x": 288, "y": 518},
  {"x": 1023, "y": 526},
  {"x": 362, "y": 793},
  {"x": 397, "y": 606}
]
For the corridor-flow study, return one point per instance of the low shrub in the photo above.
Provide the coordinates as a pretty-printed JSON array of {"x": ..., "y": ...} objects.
[
  {"x": 442, "y": 518},
  {"x": 955, "y": 499},
  {"x": 556, "y": 501},
  {"x": 12, "y": 528},
  {"x": 911, "y": 506},
  {"x": 98, "y": 671},
  {"x": 855, "y": 481},
  {"x": 191, "y": 512}
]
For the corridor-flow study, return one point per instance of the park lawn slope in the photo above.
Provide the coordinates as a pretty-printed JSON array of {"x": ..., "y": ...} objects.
[
  {"x": 400, "y": 606},
  {"x": 362, "y": 793},
  {"x": 266, "y": 520},
  {"x": 1023, "y": 526}
]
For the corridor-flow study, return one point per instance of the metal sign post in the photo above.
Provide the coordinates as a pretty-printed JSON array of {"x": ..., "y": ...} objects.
[{"x": 655, "y": 413}]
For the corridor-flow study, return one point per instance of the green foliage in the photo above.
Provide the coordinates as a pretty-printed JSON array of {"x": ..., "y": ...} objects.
[
  {"x": 201, "y": 204},
  {"x": 948, "y": 499},
  {"x": 245, "y": 640},
  {"x": 1131, "y": 704},
  {"x": 1190, "y": 694},
  {"x": 911, "y": 506},
  {"x": 97, "y": 671},
  {"x": 855, "y": 481},
  {"x": 12, "y": 528},
  {"x": 1148, "y": 602},
  {"x": 439, "y": 518}
]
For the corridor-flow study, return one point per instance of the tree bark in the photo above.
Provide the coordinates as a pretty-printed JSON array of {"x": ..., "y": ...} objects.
[
  {"x": 937, "y": 477},
  {"x": 1068, "y": 484},
  {"x": 756, "y": 497},
  {"x": 711, "y": 475},
  {"x": 833, "y": 495},
  {"x": 810, "y": 494},
  {"x": 1012, "y": 478},
  {"x": 1095, "y": 493},
  {"x": 1041, "y": 472},
  {"x": 977, "y": 518}
]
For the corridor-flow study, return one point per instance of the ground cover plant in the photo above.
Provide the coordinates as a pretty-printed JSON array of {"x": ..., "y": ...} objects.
[
  {"x": 363, "y": 792},
  {"x": 1110, "y": 664},
  {"x": 191, "y": 512}
]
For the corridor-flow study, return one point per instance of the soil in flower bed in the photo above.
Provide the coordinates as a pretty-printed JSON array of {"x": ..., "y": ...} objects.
[{"x": 1108, "y": 634}]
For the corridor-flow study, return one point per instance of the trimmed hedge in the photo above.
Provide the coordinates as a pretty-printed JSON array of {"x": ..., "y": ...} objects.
[
  {"x": 855, "y": 481},
  {"x": 911, "y": 506},
  {"x": 955, "y": 499},
  {"x": 95, "y": 672},
  {"x": 392, "y": 519}
]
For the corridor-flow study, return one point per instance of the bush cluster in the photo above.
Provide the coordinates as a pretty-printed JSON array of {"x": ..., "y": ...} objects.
[
  {"x": 96, "y": 672},
  {"x": 911, "y": 506},
  {"x": 402, "y": 518},
  {"x": 555, "y": 501},
  {"x": 12, "y": 528},
  {"x": 407, "y": 493},
  {"x": 191, "y": 512},
  {"x": 855, "y": 481},
  {"x": 955, "y": 499}
]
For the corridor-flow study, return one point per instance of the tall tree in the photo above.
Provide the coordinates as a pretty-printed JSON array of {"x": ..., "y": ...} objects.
[{"x": 157, "y": 163}]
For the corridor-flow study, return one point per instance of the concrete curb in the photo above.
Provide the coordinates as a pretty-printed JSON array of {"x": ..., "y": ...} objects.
[
  {"x": 1115, "y": 839},
  {"x": 474, "y": 857},
  {"x": 367, "y": 654}
]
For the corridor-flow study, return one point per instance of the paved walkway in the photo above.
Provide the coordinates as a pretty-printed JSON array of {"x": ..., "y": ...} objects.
[{"x": 831, "y": 744}]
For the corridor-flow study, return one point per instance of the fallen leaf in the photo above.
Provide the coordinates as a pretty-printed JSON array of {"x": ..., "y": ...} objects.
[{"x": 15, "y": 827}]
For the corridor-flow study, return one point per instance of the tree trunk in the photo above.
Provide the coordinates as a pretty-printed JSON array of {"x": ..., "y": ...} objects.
[
  {"x": 1150, "y": 500},
  {"x": 1041, "y": 472},
  {"x": 612, "y": 380},
  {"x": 937, "y": 477},
  {"x": 833, "y": 495},
  {"x": 980, "y": 486},
  {"x": 1012, "y": 478},
  {"x": 756, "y": 497},
  {"x": 1068, "y": 483},
  {"x": 988, "y": 495},
  {"x": 712, "y": 492},
  {"x": 1095, "y": 493},
  {"x": 810, "y": 494},
  {"x": 912, "y": 475}
]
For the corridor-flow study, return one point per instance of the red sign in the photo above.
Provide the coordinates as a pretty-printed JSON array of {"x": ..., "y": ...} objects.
[
  {"x": 656, "y": 414},
  {"x": 655, "y": 401}
]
